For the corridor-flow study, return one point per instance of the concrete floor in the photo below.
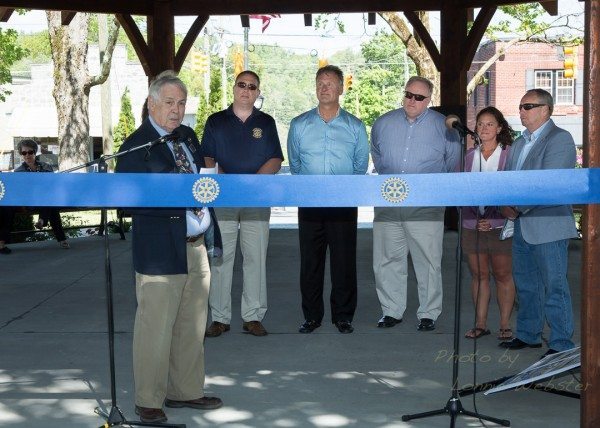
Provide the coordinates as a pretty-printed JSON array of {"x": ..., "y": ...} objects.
[{"x": 54, "y": 365}]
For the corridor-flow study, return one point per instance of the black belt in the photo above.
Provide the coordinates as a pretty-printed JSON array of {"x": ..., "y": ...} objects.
[{"x": 194, "y": 238}]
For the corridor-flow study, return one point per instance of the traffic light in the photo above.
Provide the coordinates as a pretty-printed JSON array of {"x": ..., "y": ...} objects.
[
  {"x": 323, "y": 62},
  {"x": 570, "y": 61},
  {"x": 238, "y": 63},
  {"x": 348, "y": 82},
  {"x": 200, "y": 62}
]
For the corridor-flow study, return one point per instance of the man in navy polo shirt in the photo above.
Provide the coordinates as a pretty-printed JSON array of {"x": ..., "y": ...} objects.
[{"x": 241, "y": 140}]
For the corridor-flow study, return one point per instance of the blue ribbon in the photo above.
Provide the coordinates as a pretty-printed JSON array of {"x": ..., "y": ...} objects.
[{"x": 577, "y": 186}]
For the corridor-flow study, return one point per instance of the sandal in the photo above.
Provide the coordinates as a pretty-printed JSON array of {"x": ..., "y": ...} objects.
[
  {"x": 476, "y": 333},
  {"x": 505, "y": 334}
]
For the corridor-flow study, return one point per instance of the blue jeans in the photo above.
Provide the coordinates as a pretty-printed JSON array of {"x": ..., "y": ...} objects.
[{"x": 540, "y": 274}]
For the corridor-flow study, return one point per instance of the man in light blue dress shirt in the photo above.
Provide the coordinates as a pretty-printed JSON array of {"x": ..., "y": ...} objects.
[
  {"x": 541, "y": 232},
  {"x": 330, "y": 141},
  {"x": 411, "y": 140}
]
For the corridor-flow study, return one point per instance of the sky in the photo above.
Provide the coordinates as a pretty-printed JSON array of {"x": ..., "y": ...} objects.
[{"x": 287, "y": 32}]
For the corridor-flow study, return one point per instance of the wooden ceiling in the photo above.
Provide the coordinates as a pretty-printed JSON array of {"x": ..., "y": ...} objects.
[{"x": 242, "y": 7}]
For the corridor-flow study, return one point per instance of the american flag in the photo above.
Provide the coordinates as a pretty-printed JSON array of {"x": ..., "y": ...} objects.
[{"x": 266, "y": 19}]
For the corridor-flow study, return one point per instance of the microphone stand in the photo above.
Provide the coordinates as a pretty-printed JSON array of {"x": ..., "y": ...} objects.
[
  {"x": 115, "y": 416},
  {"x": 453, "y": 407}
]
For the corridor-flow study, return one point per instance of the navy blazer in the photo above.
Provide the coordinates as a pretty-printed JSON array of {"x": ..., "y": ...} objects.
[
  {"x": 554, "y": 149},
  {"x": 159, "y": 234}
]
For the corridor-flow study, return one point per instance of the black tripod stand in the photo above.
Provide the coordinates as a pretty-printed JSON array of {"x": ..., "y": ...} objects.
[
  {"x": 453, "y": 407},
  {"x": 115, "y": 417}
]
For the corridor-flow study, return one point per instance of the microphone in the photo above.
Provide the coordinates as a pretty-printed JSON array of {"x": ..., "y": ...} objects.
[
  {"x": 453, "y": 122},
  {"x": 169, "y": 137}
]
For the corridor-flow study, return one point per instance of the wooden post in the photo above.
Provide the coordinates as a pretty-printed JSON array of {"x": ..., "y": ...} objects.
[
  {"x": 590, "y": 264},
  {"x": 161, "y": 38}
]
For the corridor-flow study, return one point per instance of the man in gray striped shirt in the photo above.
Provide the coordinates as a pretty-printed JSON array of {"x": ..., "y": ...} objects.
[{"x": 411, "y": 140}]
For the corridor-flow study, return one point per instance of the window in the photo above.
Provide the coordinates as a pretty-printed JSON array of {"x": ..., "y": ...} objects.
[{"x": 562, "y": 88}]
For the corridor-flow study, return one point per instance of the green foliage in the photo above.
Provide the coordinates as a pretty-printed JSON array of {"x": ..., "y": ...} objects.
[
  {"x": 377, "y": 85},
  {"x": 10, "y": 52},
  {"x": 126, "y": 124},
  {"x": 37, "y": 46},
  {"x": 201, "y": 115}
]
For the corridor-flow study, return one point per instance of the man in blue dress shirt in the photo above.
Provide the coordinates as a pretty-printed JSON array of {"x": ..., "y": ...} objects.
[
  {"x": 411, "y": 140},
  {"x": 330, "y": 141}
]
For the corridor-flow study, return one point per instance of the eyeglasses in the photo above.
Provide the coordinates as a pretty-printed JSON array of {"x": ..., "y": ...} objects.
[
  {"x": 244, "y": 85},
  {"x": 529, "y": 106},
  {"x": 417, "y": 97},
  {"x": 28, "y": 152}
]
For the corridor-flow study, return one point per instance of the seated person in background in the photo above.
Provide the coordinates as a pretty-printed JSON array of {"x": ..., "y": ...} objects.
[
  {"x": 28, "y": 149},
  {"x": 481, "y": 228}
]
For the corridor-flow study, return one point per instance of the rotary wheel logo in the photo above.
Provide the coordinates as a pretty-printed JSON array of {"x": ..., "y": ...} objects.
[
  {"x": 206, "y": 190},
  {"x": 394, "y": 190},
  {"x": 2, "y": 190}
]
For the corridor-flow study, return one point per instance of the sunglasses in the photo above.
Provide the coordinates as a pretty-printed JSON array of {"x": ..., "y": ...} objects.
[
  {"x": 529, "y": 106},
  {"x": 244, "y": 85},
  {"x": 417, "y": 97},
  {"x": 28, "y": 152}
]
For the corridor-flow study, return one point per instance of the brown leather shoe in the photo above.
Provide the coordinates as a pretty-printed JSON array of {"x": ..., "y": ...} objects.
[
  {"x": 202, "y": 403},
  {"x": 216, "y": 329},
  {"x": 150, "y": 415},
  {"x": 255, "y": 328}
]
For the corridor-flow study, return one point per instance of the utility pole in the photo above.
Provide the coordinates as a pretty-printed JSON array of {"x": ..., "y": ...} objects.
[
  {"x": 207, "y": 73},
  {"x": 246, "y": 31}
]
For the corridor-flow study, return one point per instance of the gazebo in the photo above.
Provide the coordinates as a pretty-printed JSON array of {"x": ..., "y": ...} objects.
[{"x": 452, "y": 59}]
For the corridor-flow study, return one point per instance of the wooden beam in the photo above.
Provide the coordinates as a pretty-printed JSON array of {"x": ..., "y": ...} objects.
[
  {"x": 308, "y": 20},
  {"x": 66, "y": 16},
  {"x": 245, "y": 19},
  {"x": 371, "y": 18},
  {"x": 247, "y": 7},
  {"x": 453, "y": 71},
  {"x": 161, "y": 38},
  {"x": 550, "y": 6},
  {"x": 137, "y": 40},
  {"x": 5, "y": 13},
  {"x": 425, "y": 38},
  {"x": 480, "y": 24},
  {"x": 188, "y": 41},
  {"x": 590, "y": 268}
]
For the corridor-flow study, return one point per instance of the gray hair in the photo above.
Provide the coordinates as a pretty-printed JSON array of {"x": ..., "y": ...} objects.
[
  {"x": 423, "y": 80},
  {"x": 32, "y": 144},
  {"x": 544, "y": 97},
  {"x": 167, "y": 77}
]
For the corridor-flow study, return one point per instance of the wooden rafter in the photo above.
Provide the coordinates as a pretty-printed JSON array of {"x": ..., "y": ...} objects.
[
  {"x": 188, "y": 40},
  {"x": 66, "y": 16},
  {"x": 480, "y": 24},
  {"x": 5, "y": 13},
  {"x": 420, "y": 29},
  {"x": 137, "y": 40}
]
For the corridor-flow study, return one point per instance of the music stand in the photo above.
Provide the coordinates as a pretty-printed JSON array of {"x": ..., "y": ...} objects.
[
  {"x": 115, "y": 416},
  {"x": 453, "y": 407}
]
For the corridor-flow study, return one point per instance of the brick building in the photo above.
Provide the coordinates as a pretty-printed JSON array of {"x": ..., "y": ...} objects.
[{"x": 526, "y": 66}]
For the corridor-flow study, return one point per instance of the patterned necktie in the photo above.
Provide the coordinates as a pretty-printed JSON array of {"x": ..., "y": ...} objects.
[
  {"x": 181, "y": 160},
  {"x": 183, "y": 163}
]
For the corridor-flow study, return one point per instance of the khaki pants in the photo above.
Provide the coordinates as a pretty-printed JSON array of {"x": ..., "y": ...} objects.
[
  {"x": 253, "y": 227},
  {"x": 397, "y": 232},
  {"x": 168, "y": 337}
]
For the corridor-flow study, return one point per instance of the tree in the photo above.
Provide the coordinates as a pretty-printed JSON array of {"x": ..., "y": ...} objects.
[
  {"x": 10, "y": 52},
  {"x": 201, "y": 115},
  {"x": 72, "y": 83},
  {"x": 126, "y": 124}
]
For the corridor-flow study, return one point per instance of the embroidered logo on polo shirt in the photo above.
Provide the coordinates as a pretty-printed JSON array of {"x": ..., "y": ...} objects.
[
  {"x": 2, "y": 190},
  {"x": 205, "y": 190},
  {"x": 257, "y": 133},
  {"x": 394, "y": 190}
]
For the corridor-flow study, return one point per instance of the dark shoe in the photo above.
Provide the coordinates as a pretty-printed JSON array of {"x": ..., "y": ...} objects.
[
  {"x": 344, "y": 326},
  {"x": 309, "y": 326},
  {"x": 549, "y": 352},
  {"x": 255, "y": 328},
  {"x": 5, "y": 250},
  {"x": 150, "y": 415},
  {"x": 387, "y": 321},
  {"x": 203, "y": 403},
  {"x": 216, "y": 329},
  {"x": 426, "y": 324},
  {"x": 517, "y": 343}
]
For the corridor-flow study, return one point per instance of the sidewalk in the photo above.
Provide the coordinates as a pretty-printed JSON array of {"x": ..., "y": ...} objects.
[{"x": 54, "y": 367}]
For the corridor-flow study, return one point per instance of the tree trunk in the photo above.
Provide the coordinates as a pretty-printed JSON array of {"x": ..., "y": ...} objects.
[
  {"x": 71, "y": 93},
  {"x": 414, "y": 49}
]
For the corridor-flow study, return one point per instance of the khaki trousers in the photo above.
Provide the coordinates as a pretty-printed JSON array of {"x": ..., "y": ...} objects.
[
  {"x": 168, "y": 336},
  {"x": 253, "y": 227},
  {"x": 397, "y": 232}
]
